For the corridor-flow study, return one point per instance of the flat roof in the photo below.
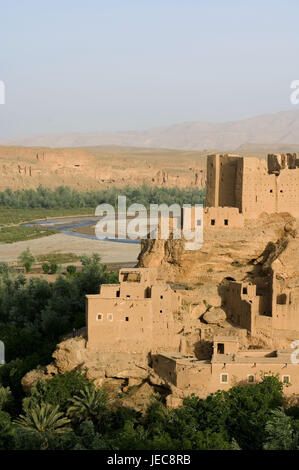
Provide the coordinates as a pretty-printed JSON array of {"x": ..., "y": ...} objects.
[{"x": 225, "y": 338}]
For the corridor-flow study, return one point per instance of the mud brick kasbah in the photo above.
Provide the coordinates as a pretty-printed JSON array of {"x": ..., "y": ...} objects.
[
  {"x": 142, "y": 313},
  {"x": 203, "y": 320}
]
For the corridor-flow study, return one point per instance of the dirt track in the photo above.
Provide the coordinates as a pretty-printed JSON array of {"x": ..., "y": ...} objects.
[{"x": 110, "y": 252}]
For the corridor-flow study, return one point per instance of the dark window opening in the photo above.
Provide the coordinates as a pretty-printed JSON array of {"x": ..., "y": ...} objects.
[
  {"x": 127, "y": 318},
  {"x": 281, "y": 299},
  {"x": 244, "y": 290},
  {"x": 220, "y": 348},
  {"x": 225, "y": 221},
  {"x": 213, "y": 222},
  {"x": 117, "y": 293}
]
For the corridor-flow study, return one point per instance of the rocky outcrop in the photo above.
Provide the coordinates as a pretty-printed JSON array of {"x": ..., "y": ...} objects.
[
  {"x": 72, "y": 354},
  {"x": 215, "y": 316}
]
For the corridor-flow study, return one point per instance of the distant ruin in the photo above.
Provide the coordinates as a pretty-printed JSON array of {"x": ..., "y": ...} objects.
[{"x": 252, "y": 185}]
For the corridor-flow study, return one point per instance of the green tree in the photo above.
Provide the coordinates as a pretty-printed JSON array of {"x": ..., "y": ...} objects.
[
  {"x": 279, "y": 432},
  {"x": 90, "y": 403},
  {"x": 71, "y": 270},
  {"x": 44, "y": 419},
  {"x": 53, "y": 267},
  {"x": 26, "y": 259},
  {"x": 46, "y": 268},
  {"x": 59, "y": 390}
]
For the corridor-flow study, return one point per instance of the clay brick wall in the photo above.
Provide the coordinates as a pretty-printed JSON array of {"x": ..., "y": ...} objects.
[
  {"x": 253, "y": 185},
  {"x": 134, "y": 315}
]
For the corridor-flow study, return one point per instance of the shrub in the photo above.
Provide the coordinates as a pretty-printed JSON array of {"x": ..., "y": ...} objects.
[
  {"x": 26, "y": 259},
  {"x": 45, "y": 268},
  {"x": 71, "y": 269},
  {"x": 53, "y": 268}
]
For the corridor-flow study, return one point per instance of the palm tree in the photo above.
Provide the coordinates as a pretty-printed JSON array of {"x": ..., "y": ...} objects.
[
  {"x": 91, "y": 404},
  {"x": 45, "y": 419}
]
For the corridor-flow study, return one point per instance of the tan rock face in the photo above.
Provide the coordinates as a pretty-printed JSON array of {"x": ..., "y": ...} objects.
[
  {"x": 223, "y": 254},
  {"x": 215, "y": 316},
  {"x": 85, "y": 169},
  {"x": 72, "y": 354}
]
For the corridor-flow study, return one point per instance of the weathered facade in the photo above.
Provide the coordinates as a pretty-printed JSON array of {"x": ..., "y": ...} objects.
[
  {"x": 252, "y": 185},
  {"x": 228, "y": 367},
  {"x": 135, "y": 315}
]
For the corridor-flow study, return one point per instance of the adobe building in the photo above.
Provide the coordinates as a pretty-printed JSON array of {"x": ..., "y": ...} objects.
[
  {"x": 228, "y": 367},
  {"x": 254, "y": 308},
  {"x": 252, "y": 186},
  {"x": 134, "y": 316},
  {"x": 138, "y": 314}
]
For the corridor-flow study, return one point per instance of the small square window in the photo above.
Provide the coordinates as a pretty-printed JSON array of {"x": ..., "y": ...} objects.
[
  {"x": 224, "y": 378},
  {"x": 99, "y": 317},
  {"x": 286, "y": 379},
  {"x": 161, "y": 296},
  {"x": 213, "y": 222},
  {"x": 161, "y": 311},
  {"x": 250, "y": 378},
  {"x": 225, "y": 221},
  {"x": 244, "y": 290},
  {"x": 127, "y": 319}
]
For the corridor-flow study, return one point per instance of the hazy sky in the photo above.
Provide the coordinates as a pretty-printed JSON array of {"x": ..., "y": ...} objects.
[{"x": 92, "y": 65}]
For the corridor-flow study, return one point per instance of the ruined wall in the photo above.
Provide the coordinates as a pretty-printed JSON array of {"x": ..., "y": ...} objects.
[
  {"x": 253, "y": 185},
  {"x": 241, "y": 304}
]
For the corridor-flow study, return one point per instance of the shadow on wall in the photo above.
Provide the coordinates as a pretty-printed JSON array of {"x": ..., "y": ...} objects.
[{"x": 203, "y": 349}]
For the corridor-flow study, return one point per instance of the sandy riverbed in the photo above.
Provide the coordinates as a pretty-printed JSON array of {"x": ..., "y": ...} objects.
[{"x": 110, "y": 252}]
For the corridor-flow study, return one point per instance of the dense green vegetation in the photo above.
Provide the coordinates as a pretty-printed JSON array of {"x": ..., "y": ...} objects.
[
  {"x": 35, "y": 313},
  {"x": 68, "y": 198},
  {"x": 68, "y": 412},
  {"x": 33, "y": 204}
]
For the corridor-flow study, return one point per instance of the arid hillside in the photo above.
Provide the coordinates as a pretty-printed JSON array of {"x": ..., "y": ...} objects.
[{"x": 99, "y": 168}]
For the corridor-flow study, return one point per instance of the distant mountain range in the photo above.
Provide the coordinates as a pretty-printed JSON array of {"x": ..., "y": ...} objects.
[{"x": 280, "y": 130}]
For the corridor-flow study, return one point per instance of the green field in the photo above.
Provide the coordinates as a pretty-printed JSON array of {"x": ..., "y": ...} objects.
[
  {"x": 58, "y": 258},
  {"x": 9, "y": 215},
  {"x": 18, "y": 233}
]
